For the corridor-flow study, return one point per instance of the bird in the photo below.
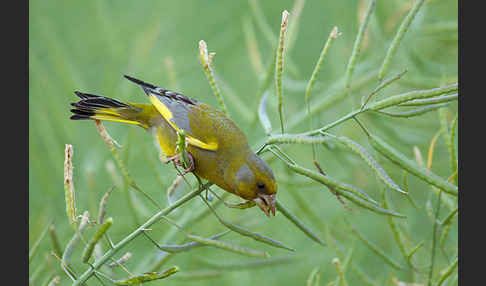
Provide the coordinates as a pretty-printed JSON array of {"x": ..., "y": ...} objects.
[{"x": 217, "y": 148}]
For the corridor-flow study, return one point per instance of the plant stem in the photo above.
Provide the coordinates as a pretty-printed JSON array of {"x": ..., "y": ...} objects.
[{"x": 136, "y": 233}]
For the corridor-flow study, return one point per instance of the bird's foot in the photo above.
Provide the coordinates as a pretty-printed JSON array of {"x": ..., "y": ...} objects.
[
  {"x": 242, "y": 205},
  {"x": 177, "y": 160}
]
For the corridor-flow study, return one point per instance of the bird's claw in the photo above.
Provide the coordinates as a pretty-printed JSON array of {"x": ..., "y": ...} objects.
[{"x": 177, "y": 161}]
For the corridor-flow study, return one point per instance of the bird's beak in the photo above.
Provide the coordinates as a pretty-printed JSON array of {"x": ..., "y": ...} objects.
[{"x": 266, "y": 203}]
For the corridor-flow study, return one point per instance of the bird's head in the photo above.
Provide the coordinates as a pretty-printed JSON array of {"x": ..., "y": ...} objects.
[{"x": 253, "y": 180}]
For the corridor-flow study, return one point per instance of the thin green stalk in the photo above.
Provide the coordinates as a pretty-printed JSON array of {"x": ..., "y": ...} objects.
[
  {"x": 364, "y": 277},
  {"x": 269, "y": 35},
  {"x": 452, "y": 147},
  {"x": 313, "y": 278},
  {"x": 434, "y": 236},
  {"x": 376, "y": 250},
  {"x": 357, "y": 46},
  {"x": 340, "y": 271},
  {"x": 68, "y": 251},
  {"x": 56, "y": 246},
  {"x": 413, "y": 251},
  {"x": 381, "y": 86},
  {"x": 329, "y": 97},
  {"x": 447, "y": 272},
  {"x": 297, "y": 222},
  {"x": 405, "y": 188},
  {"x": 263, "y": 116},
  {"x": 333, "y": 35},
  {"x": 111, "y": 145},
  {"x": 240, "y": 266},
  {"x": 398, "y": 37},
  {"x": 396, "y": 231},
  {"x": 198, "y": 275},
  {"x": 110, "y": 253},
  {"x": 35, "y": 246},
  {"x": 279, "y": 66},
  {"x": 251, "y": 44},
  {"x": 295, "y": 14}
]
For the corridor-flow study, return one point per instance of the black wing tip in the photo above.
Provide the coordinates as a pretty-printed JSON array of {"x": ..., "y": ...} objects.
[
  {"x": 79, "y": 117},
  {"x": 140, "y": 82},
  {"x": 83, "y": 95}
]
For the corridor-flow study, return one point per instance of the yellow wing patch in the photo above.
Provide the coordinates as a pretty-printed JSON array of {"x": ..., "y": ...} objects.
[{"x": 167, "y": 114}]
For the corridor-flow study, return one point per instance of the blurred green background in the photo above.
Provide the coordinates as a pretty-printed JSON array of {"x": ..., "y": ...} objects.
[{"x": 89, "y": 45}]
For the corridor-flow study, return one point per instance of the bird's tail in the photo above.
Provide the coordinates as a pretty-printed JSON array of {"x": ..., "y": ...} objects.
[{"x": 103, "y": 108}]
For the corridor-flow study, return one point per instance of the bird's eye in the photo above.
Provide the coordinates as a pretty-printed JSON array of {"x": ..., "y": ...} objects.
[{"x": 260, "y": 185}]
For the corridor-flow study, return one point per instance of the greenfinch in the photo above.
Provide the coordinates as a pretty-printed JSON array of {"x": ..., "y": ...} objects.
[{"x": 218, "y": 149}]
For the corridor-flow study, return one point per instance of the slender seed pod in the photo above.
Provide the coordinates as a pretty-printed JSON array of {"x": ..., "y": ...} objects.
[
  {"x": 293, "y": 139},
  {"x": 398, "y": 37},
  {"x": 279, "y": 66},
  {"x": 228, "y": 246},
  {"x": 297, "y": 222},
  {"x": 447, "y": 272},
  {"x": 245, "y": 232},
  {"x": 380, "y": 172},
  {"x": 88, "y": 250},
  {"x": 175, "y": 248},
  {"x": 69, "y": 184},
  {"x": 146, "y": 277},
  {"x": 55, "y": 241},
  {"x": 415, "y": 112},
  {"x": 411, "y": 95},
  {"x": 258, "y": 264},
  {"x": 102, "y": 209},
  {"x": 398, "y": 158},
  {"x": 357, "y": 44},
  {"x": 431, "y": 101}
]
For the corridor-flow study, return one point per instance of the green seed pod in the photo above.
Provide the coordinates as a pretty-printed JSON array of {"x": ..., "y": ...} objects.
[
  {"x": 149, "y": 276},
  {"x": 411, "y": 95},
  {"x": 380, "y": 172},
  {"x": 430, "y": 101},
  {"x": 340, "y": 188},
  {"x": 228, "y": 246},
  {"x": 398, "y": 158},
  {"x": 88, "y": 250},
  {"x": 297, "y": 222}
]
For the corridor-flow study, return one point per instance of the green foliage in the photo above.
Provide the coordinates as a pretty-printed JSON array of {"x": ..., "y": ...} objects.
[{"x": 377, "y": 236}]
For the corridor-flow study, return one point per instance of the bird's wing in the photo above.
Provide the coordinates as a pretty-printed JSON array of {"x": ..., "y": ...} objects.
[{"x": 176, "y": 109}]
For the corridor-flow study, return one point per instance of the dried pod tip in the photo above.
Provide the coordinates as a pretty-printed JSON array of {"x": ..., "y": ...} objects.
[
  {"x": 285, "y": 18},
  {"x": 335, "y": 33}
]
